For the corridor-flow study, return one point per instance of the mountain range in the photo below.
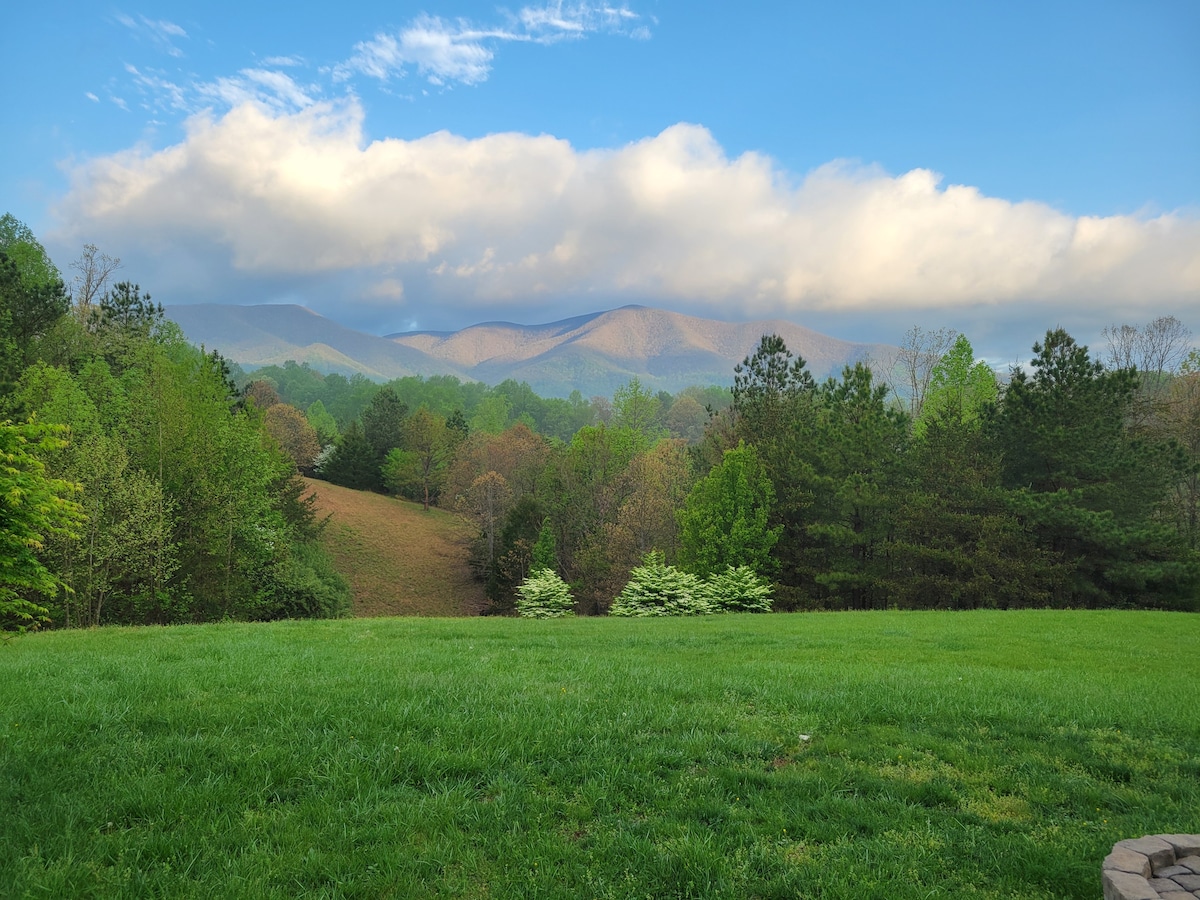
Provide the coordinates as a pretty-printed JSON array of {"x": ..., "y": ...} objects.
[{"x": 594, "y": 354}]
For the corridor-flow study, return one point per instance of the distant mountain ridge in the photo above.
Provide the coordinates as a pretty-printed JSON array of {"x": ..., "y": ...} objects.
[{"x": 594, "y": 354}]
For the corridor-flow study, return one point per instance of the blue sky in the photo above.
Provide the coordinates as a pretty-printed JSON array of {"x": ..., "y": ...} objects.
[{"x": 999, "y": 168}]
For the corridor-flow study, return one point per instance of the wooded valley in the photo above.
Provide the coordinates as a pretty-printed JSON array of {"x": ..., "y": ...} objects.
[{"x": 147, "y": 481}]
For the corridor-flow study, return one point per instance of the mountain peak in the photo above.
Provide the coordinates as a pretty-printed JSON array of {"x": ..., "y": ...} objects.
[{"x": 593, "y": 353}]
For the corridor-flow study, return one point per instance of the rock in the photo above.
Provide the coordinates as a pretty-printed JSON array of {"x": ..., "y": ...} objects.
[
  {"x": 1158, "y": 851},
  {"x": 1172, "y": 871},
  {"x": 1187, "y": 882},
  {"x": 1184, "y": 844},
  {"x": 1122, "y": 859},
  {"x": 1124, "y": 886}
]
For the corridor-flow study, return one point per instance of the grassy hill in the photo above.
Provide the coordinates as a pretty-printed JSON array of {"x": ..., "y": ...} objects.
[
  {"x": 834, "y": 755},
  {"x": 400, "y": 560}
]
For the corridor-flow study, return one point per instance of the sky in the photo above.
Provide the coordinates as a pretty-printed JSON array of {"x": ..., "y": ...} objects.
[{"x": 1000, "y": 168}]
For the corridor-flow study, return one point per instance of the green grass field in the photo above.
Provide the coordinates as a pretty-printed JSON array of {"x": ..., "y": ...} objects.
[{"x": 979, "y": 754}]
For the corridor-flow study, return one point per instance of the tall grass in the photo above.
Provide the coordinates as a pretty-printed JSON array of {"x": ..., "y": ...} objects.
[{"x": 888, "y": 755}]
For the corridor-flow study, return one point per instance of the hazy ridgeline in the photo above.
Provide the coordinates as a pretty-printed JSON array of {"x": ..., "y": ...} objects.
[{"x": 166, "y": 490}]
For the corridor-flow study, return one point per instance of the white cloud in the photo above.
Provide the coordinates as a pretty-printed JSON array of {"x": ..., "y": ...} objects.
[
  {"x": 273, "y": 89},
  {"x": 670, "y": 219},
  {"x": 444, "y": 51},
  {"x": 159, "y": 32},
  {"x": 91, "y": 96},
  {"x": 276, "y": 90},
  {"x": 438, "y": 50},
  {"x": 158, "y": 91}
]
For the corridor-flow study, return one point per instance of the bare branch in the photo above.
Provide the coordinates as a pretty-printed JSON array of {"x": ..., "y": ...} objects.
[{"x": 94, "y": 268}]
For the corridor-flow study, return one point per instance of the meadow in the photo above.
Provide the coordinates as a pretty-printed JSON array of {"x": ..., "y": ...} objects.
[{"x": 890, "y": 755}]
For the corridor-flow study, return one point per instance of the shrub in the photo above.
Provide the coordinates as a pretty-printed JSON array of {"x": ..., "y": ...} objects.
[
  {"x": 306, "y": 585},
  {"x": 656, "y": 589},
  {"x": 738, "y": 589},
  {"x": 543, "y": 595}
]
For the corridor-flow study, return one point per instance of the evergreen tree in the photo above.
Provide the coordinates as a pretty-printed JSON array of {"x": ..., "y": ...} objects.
[
  {"x": 1088, "y": 487},
  {"x": 957, "y": 542},
  {"x": 383, "y": 422},
  {"x": 855, "y": 458},
  {"x": 353, "y": 463}
]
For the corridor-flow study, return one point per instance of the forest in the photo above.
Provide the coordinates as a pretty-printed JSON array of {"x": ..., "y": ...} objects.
[{"x": 147, "y": 481}]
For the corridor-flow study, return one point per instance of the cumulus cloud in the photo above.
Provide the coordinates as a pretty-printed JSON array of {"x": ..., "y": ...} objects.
[
  {"x": 444, "y": 51},
  {"x": 519, "y": 219}
]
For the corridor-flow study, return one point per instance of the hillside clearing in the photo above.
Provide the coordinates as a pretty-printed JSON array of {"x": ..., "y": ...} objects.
[
  {"x": 838, "y": 755},
  {"x": 400, "y": 559}
]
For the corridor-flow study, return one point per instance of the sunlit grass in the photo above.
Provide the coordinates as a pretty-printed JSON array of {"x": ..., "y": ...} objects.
[{"x": 886, "y": 755}]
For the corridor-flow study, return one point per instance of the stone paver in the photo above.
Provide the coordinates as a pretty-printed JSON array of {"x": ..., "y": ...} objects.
[{"x": 1154, "y": 867}]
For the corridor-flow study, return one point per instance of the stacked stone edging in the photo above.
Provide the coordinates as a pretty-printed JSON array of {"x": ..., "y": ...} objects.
[{"x": 1155, "y": 867}]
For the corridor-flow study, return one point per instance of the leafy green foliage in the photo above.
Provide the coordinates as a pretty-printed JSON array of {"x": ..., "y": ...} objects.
[
  {"x": 725, "y": 520},
  {"x": 656, "y": 589},
  {"x": 640, "y": 411},
  {"x": 544, "y": 555},
  {"x": 737, "y": 589},
  {"x": 21, "y": 246},
  {"x": 33, "y": 507},
  {"x": 960, "y": 388},
  {"x": 190, "y": 511},
  {"x": 544, "y": 595},
  {"x": 307, "y": 585},
  {"x": 958, "y": 544},
  {"x": 322, "y": 422}
]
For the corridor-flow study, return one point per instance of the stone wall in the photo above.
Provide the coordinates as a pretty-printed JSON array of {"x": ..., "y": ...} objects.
[{"x": 1155, "y": 867}]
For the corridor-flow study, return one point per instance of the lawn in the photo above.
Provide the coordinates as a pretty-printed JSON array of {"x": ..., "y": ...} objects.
[{"x": 857, "y": 755}]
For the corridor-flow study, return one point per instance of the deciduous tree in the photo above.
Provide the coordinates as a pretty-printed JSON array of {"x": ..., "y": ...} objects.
[
  {"x": 725, "y": 519},
  {"x": 33, "y": 507}
]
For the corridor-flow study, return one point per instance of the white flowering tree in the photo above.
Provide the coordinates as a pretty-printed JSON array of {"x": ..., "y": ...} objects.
[
  {"x": 544, "y": 595},
  {"x": 656, "y": 589}
]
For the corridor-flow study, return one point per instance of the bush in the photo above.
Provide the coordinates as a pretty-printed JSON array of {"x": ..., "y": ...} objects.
[
  {"x": 307, "y": 586},
  {"x": 738, "y": 589},
  {"x": 543, "y": 595},
  {"x": 656, "y": 589}
]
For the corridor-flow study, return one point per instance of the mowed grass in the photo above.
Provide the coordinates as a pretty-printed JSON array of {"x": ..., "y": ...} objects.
[
  {"x": 400, "y": 559},
  {"x": 888, "y": 755}
]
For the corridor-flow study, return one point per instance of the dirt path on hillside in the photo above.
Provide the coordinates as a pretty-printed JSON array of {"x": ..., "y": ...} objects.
[{"x": 399, "y": 559}]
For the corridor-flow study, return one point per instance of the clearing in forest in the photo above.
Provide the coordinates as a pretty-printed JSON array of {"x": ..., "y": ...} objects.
[{"x": 400, "y": 560}]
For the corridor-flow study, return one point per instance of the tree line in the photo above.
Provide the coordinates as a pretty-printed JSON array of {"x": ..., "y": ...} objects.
[
  {"x": 137, "y": 485},
  {"x": 1075, "y": 483},
  {"x": 167, "y": 490}
]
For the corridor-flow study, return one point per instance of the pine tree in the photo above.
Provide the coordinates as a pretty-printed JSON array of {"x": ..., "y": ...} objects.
[
  {"x": 1085, "y": 484},
  {"x": 353, "y": 463}
]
